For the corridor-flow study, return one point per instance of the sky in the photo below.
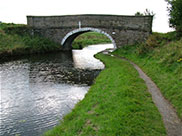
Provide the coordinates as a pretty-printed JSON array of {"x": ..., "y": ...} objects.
[{"x": 15, "y": 11}]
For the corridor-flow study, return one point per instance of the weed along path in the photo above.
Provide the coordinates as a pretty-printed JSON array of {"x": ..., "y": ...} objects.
[{"x": 171, "y": 121}]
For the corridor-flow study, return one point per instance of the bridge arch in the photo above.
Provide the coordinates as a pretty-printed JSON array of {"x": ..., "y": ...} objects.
[
  {"x": 121, "y": 30},
  {"x": 69, "y": 37}
]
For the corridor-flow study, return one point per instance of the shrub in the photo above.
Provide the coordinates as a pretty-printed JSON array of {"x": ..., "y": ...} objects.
[{"x": 156, "y": 40}]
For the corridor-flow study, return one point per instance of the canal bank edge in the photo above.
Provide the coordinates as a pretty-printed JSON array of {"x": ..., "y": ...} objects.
[
  {"x": 146, "y": 56},
  {"x": 117, "y": 104}
]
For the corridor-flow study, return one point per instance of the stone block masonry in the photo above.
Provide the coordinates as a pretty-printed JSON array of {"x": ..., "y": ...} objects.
[{"x": 121, "y": 30}]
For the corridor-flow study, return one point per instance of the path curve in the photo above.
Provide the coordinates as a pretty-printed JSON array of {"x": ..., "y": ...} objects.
[{"x": 171, "y": 121}]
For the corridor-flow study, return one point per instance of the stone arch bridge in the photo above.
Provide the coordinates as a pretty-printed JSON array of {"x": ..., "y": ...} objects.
[{"x": 121, "y": 30}]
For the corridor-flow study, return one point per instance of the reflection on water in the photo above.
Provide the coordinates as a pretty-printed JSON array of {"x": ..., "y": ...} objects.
[{"x": 37, "y": 92}]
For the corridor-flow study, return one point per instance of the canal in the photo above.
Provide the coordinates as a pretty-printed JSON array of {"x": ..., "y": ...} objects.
[{"x": 37, "y": 91}]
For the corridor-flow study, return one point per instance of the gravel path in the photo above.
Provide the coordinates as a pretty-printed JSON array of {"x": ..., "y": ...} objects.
[{"x": 171, "y": 121}]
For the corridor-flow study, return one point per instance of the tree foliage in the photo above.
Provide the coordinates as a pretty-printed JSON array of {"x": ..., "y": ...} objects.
[{"x": 175, "y": 13}]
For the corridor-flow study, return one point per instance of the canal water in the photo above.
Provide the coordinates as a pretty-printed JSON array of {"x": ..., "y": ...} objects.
[{"x": 36, "y": 92}]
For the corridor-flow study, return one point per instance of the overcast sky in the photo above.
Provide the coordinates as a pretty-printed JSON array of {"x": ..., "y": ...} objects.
[{"x": 16, "y": 10}]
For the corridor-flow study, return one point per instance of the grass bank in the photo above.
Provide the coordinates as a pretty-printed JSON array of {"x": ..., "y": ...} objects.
[
  {"x": 89, "y": 38},
  {"x": 160, "y": 57},
  {"x": 118, "y": 103},
  {"x": 16, "y": 40}
]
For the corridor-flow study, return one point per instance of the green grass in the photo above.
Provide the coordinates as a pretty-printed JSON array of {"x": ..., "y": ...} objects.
[
  {"x": 16, "y": 40},
  {"x": 89, "y": 38},
  {"x": 117, "y": 104},
  {"x": 161, "y": 59}
]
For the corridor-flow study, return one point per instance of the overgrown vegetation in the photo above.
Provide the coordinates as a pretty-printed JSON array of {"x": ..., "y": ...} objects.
[
  {"x": 89, "y": 38},
  {"x": 17, "y": 40},
  {"x": 161, "y": 58},
  {"x": 118, "y": 104}
]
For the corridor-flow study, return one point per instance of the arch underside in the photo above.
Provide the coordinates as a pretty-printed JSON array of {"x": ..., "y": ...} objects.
[{"x": 69, "y": 38}]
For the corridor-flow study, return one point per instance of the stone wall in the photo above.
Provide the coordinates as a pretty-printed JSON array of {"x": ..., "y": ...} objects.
[{"x": 123, "y": 29}]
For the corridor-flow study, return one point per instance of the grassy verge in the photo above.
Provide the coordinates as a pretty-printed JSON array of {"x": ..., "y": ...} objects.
[
  {"x": 16, "y": 40},
  {"x": 89, "y": 38},
  {"x": 118, "y": 103},
  {"x": 161, "y": 59}
]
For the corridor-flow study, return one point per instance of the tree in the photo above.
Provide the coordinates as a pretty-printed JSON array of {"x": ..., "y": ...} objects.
[{"x": 175, "y": 13}]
